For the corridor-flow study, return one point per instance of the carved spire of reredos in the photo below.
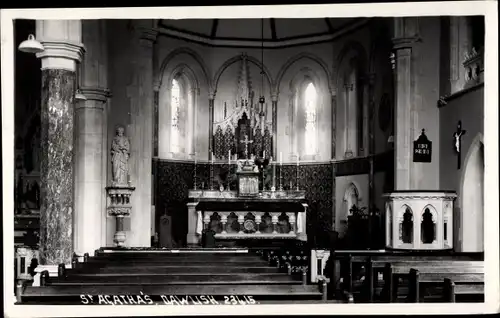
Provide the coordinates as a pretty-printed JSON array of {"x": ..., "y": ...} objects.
[{"x": 244, "y": 82}]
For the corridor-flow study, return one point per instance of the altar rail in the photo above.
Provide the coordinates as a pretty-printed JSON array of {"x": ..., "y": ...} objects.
[{"x": 253, "y": 225}]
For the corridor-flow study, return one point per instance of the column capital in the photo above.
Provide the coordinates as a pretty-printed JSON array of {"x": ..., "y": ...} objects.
[
  {"x": 333, "y": 92},
  {"x": 368, "y": 79},
  {"x": 61, "y": 55},
  {"x": 274, "y": 97},
  {"x": 147, "y": 36},
  {"x": 405, "y": 42},
  {"x": 156, "y": 85},
  {"x": 211, "y": 95},
  {"x": 96, "y": 93}
]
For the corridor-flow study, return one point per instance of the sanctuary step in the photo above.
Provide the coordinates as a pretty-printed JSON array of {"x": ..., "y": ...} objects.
[{"x": 162, "y": 274}]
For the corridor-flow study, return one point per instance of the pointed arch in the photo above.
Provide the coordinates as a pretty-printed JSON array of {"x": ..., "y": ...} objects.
[
  {"x": 351, "y": 197},
  {"x": 238, "y": 58},
  {"x": 187, "y": 71},
  {"x": 350, "y": 68},
  {"x": 428, "y": 224},
  {"x": 432, "y": 210},
  {"x": 193, "y": 54},
  {"x": 177, "y": 112},
  {"x": 351, "y": 47},
  {"x": 298, "y": 57},
  {"x": 471, "y": 198},
  {"x": 406, "y": 222}
]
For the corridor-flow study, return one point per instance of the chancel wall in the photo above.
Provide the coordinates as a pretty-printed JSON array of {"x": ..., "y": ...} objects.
[{"x": 140, "y": 67}]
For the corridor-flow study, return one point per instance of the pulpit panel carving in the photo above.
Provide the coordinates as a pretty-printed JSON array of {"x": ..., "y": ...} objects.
[{"x": 423, "y": 220}]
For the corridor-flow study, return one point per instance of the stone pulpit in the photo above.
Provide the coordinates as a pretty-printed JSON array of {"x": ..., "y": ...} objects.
[{"x": 419, "y": 220}]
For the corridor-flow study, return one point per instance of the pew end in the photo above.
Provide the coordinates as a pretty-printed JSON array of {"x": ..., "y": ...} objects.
[
  {"x": 20, "y": 286},
  {"x": 449, "y": 291},
  {"x": 323, "y": 282}
]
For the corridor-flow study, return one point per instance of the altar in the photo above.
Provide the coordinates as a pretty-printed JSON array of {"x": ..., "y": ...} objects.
[{"x": 272, "y": 215}]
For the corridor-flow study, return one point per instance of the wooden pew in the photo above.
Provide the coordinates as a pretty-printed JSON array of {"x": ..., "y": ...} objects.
[
  {"x": 451, "y": 290},
  {"x": 417, "y": 278},
  {"x": 352, "y": 261},
  {"x": 395, "y": 270},
  {"x": 352, "y": 264}
]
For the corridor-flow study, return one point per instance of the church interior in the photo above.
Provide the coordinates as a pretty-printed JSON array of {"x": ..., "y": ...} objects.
[{"x": 278, "y": 159}]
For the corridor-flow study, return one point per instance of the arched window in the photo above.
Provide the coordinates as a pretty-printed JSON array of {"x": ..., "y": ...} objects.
[
  {"x": 182, "y": 104},
  {"x": 175, "y": 105},
  {"x": 310, "y": 101}
]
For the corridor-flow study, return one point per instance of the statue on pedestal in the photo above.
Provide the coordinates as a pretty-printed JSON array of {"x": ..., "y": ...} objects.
[{"x": 120, "y": 153}]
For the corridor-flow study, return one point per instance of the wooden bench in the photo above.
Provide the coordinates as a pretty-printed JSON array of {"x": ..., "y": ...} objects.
[
  {"x": 452, "y": 290},
  {"x": 393, "y": 271},
  {"x": 448, "y": 281},
  {"x": 349, "y": 260},
  {"x": 373, "y": 262}
]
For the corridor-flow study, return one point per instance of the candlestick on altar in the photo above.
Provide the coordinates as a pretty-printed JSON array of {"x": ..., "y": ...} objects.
[
  {"x": 297, "y": 174},
  {"x": 281, "y": 158},
  {"x": 228, "y": 171},
  {"x": 273, "y": 188},
  {"x": 281, "y": 179},
  {"x": 264, "y": 155},
  {"x": 195, "y": 177},
  {"x": 212, "y": 173}
]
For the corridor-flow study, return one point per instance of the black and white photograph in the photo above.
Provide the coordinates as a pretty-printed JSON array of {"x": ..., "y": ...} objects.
[{"x": 235, "y": 159}]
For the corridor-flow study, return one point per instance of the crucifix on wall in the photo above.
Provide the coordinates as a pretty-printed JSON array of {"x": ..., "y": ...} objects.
[
  {"x": 458, "y": 142},
  {"x": 246, "y": 142}
]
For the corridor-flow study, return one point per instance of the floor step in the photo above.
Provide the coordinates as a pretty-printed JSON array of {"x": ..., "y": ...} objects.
[
  {"x": 178, "y": 280},
  {"x": 179, "y": 262},
  {"x": 153, "y": 290},
  {"x": 176, "y": 256},
  {"x": 173, "y": 269}
]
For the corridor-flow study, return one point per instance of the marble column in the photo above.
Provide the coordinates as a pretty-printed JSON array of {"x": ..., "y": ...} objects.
[
  {"x": 63, "y": 49},
  {"x": 141, "y": 139},
  {"x": 405, "y": 112},
  {"x": 211, "y": 99},
  {"x": 274, "y": 109},
  {"x": 90, "y": 151}
]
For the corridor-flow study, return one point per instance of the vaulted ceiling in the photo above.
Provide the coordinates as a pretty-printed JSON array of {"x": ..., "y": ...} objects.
[{"x": 251, "y": 32}]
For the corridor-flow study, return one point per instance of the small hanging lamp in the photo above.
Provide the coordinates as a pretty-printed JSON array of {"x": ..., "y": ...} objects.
[
  {"x": 262, "y": 99},
  {"x": 31, "y": 45}
]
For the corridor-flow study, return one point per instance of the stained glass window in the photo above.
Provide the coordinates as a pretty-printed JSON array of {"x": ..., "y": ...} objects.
[
  {"x": 310, "y": 99},
  {"x": 175, "y": 106}
]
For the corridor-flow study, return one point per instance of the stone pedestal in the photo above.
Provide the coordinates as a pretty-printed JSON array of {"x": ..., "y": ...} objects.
[
  {"x": 419, "y": 220},
  {"x": 194, "y": 234},
  {"x": 119, "y": 206},
  {"x": 61, "y": 39}
]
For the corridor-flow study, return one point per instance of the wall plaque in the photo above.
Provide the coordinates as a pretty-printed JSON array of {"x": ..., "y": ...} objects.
[{"x": 422, "y": 149}]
